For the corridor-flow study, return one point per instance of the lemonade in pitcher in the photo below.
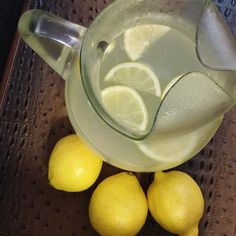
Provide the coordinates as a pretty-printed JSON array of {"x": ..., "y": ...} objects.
[
  {"x": 136, "y": 90},
  {"x": 138, "y": 69}
]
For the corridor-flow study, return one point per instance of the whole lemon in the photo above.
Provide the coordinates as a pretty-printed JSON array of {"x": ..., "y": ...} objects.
[
  {"x": 176, "y": 202},
  {"x": 118, "y": 206},
  {"x": 73, "y": 166}
]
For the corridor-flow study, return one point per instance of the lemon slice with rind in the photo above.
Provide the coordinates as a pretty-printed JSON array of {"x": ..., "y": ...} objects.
[
  {"x": 135, "y": 75},
  {"x": 139, "y": 38},
  {"x": 125, "y": 106},
  {"x": 176, "y": 150}
]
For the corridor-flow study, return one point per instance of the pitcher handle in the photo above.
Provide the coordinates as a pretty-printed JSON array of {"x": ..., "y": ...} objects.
[{"x": 54, "y": 39}]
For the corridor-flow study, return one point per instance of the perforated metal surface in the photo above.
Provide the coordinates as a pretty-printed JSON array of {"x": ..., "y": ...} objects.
[{"x": 33, "y": 117}]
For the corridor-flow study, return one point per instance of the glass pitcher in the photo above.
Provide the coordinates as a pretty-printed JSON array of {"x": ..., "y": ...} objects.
[{"x": 148, "y": 83}]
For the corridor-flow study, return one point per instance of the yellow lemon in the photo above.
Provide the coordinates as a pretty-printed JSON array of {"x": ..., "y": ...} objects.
[
  {"x": 176, "y": 202},
  {"x": 118, "y": 206},
  {"x": 73, "y": 166}
]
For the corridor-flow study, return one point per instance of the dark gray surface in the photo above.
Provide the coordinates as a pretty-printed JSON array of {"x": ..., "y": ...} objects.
[
  {"x": 33, "y": 118},
  {"x": 9, "y": 15}
]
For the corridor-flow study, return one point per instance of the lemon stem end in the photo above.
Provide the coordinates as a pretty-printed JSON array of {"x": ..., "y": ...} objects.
[
  {"x": 159, "y": 175},
  {"x": 191, "y": 232}
]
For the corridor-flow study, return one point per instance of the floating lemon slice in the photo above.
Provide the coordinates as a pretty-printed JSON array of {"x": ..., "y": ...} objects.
[
  {"x": 139, "y": 38},
  {"x": 179, "y": 149},
  {"x": 135, "y": 75},
  {"x": 125, "y": 106}
]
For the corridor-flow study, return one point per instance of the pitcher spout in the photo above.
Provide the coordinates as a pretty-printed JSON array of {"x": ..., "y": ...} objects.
[{"x": 215, "y": 44}]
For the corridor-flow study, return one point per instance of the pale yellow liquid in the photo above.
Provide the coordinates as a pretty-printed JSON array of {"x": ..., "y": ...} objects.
[{"x": 172, "y": 55}]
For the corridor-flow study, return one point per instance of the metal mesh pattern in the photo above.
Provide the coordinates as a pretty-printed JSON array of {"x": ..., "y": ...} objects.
[{"x": 32, "y": 119}]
